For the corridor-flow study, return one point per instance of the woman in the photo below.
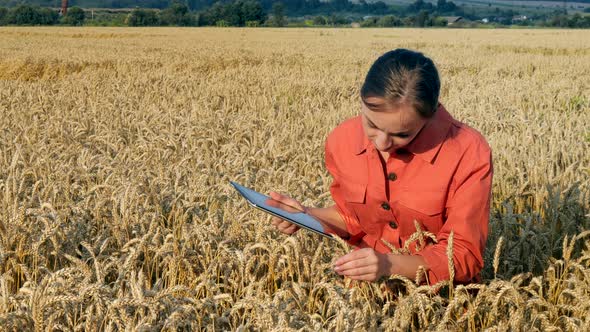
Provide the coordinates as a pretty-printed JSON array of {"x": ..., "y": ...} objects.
[{"x": 405, "y": 159}]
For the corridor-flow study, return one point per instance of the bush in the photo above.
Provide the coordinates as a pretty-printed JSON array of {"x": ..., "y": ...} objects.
[
  {"x": 370, "y": 22},
  {"x": 337, "y": 20},
  {"x": 440, "y": 22},
  {"x": 389, "y": 21},
  {"x": 252, "y": 24},
  {"x": 74, "y": 16}
]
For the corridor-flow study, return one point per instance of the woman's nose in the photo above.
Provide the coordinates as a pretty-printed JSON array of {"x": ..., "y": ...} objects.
[{"x": 383, "y": 141}]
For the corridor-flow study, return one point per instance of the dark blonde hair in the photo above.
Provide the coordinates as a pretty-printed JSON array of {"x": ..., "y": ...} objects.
[{"x": 404, "y": 76}]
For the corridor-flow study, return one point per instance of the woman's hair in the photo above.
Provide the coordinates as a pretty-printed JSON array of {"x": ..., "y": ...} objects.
[{"x": 402, "y": 76}]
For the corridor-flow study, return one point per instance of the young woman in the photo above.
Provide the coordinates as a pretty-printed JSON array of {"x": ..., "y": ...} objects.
[{"x": 403, "y": 160}]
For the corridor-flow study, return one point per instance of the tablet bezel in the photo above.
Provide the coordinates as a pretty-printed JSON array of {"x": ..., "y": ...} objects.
[{"x": 262, "y": 208}]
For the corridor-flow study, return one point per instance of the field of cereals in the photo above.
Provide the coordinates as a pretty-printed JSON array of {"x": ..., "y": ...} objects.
[{"x": 117, "y": 146}]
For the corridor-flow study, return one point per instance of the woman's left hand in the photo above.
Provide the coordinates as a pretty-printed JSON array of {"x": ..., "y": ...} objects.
[{"x": 364, "y": 264}]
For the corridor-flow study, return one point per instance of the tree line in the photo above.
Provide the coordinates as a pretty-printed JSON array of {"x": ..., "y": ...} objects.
[
  {"x": 271, "y": 13},
  {"x": 34, "y": 15}
]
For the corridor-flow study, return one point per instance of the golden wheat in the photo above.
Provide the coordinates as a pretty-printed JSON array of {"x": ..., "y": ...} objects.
[{"x": 117, "y": 146}]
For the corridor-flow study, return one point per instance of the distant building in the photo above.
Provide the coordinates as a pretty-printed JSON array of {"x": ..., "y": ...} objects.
[
  {"x": 519, "y": 18},
  {"x": 451, "y": 20},
  {"x": 355, "y": 25},
  {"x": 485, "y": 20}
]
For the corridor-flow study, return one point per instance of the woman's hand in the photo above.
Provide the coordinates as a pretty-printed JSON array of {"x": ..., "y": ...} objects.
[
  {"x": 288, "y": 204},
  {"x": 364, "y": 264}
]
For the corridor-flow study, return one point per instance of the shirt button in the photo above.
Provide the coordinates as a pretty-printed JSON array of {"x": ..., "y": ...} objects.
[
  {"x": 392, "y": 176},
  {"x": 385, "y": 206},
  {"x": 393, "y": 225}
]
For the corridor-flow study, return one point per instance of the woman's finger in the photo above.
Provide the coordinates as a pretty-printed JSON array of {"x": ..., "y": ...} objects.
[
  {"x": 276, "y": 196},
  {"x": 286, "y": 200},
  {"x": 359, "y": 271},
  {"x": 361, "y": 263},
  {"x": 353, "y": 256},
  {"x": 277, "y": 200},
  {"x": 291, "y": 229},
  {"x": 284, "y": 225},
  {"x": 287, "y": 227},
  {"x": 365, "y": 277}
]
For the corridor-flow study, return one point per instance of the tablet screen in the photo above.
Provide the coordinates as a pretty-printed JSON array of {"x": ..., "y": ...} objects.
[{"x": 281, "y": 210}]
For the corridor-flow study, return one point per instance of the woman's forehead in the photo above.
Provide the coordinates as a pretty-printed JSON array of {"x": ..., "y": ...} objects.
[{"x": 393, "y": 118}]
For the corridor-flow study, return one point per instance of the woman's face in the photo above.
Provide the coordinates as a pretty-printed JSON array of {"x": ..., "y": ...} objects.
[{"x": 391, "y": 126}]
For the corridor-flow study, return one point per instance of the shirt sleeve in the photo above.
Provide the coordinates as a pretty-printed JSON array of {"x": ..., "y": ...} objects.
[
  {"x": 467, "y": 217},
  {"x": 352, "y": 223}
]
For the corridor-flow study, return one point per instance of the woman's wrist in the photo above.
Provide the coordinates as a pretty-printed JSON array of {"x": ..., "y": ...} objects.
[
  {"x": 392, "y": 263},
  {"x": 405, "y": 265},
  {"x": 330, "y": 220}
]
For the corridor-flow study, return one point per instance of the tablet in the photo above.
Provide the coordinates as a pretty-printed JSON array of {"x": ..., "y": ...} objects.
[{"x": 281, "y": 210}]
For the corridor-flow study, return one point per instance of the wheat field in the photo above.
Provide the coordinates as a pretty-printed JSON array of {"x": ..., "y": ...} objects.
[{"x": 117, "y": 146}]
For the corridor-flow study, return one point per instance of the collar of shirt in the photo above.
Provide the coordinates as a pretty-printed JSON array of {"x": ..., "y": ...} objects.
[{"x": 426, "y": 144}]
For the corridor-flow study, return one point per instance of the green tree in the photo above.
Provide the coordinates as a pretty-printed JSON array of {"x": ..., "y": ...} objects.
[
  {"x": 252, "y": 11},
  {"x": 369, "y": 22},
  {"x": 48, "y": 16},
  {"x": 319, "y": 20},
  {"x": 247, "y": 11},
  {"x": 233, "y": 15},
  {"x": 337, "y": 20},
  {"x": 142, "y": 17},
  {"x": 214, "y": 14},
  {"x": 3, "y": 16},
  {"x": 24, "y": 15},
  {"x": 559, "y": 21},
  {"x": 177, "y": 14},
  {"x": 578, "y": 21},
  {"x": 278, "y": 14},
  {"x": 443, "y": 6},
  {"x": 238, "y": 13},
  {"x": 422, "y": 19},
  {"x": 389, "y": 21},
  {"x": 440, "y": 22},
  {"x": 75, "y": 16}
]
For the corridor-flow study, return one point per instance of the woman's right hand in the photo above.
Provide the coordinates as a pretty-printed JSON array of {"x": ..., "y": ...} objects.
[{"x": 283, "y": 225}]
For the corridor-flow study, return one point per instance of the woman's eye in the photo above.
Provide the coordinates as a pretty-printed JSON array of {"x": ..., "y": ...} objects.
[{"x": 401, "y": 135}]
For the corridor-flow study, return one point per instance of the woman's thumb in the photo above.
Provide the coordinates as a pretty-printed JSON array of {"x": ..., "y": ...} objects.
[{"x": 276, "y": 196}]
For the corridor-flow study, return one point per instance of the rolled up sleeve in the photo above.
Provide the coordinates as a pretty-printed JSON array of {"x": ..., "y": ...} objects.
[
  {"x": 352, "y": 223},
  {"x": 467, "y": 217}
]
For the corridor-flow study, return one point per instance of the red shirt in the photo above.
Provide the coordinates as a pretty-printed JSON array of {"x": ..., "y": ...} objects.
[{"x": 442, "y": 179}]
